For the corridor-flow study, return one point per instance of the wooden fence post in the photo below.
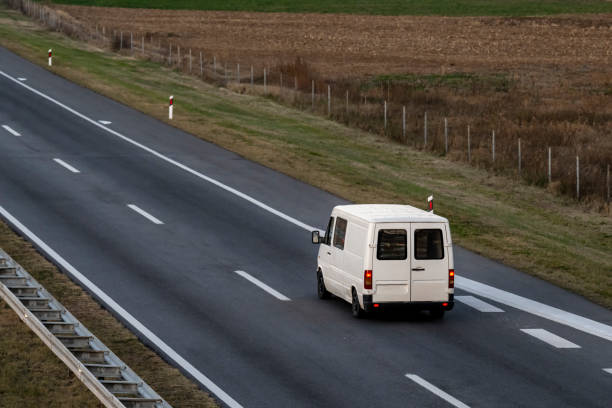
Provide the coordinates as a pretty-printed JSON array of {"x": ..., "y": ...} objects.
[
  {"x": 328, "y": 100},
  {"x": 238, "y": 73},
  {"x": 201, "y": 65},
  {"x": 252, "y": 77},
  {"x": 265, "y": 82}
]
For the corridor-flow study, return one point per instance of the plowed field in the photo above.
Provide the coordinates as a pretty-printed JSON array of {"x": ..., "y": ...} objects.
[{"x": 356, "y": 45}]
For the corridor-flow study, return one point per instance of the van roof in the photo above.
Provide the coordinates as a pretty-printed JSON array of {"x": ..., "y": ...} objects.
[{"x": 389, "y": 213}]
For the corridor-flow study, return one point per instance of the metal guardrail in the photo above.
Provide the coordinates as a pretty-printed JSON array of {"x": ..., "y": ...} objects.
[{"x": 104, "y": 374}]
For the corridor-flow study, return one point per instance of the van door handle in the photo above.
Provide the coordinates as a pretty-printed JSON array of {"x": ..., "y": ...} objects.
[
  {"x": 329, "y": 253},
  {"x": 418, "y": 269}
]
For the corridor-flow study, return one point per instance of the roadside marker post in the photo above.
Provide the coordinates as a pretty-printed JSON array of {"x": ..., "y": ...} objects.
[
  {"x": 171, "y": 107},
  {"x": 50, "y": 57}
]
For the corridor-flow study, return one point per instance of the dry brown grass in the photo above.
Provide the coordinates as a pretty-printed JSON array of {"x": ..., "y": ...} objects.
[{"x": 31, "y": 376}]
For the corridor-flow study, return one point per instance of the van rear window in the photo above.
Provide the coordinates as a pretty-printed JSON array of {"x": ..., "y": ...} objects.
[
  {"x": 428, "y": 244},
  {"x": 392, "y": 244}
]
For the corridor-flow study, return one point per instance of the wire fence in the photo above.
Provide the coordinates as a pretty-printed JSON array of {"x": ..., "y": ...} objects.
[{"x": 544, "y": 156}]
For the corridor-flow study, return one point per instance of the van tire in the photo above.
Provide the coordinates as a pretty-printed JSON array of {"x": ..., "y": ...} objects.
[
  {"x": 437, "y": 312},
  {"x": 321, "y": 289},
  {"x": 358, "y": 312}
]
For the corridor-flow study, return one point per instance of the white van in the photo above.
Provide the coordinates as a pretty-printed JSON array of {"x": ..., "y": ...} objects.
[{"x": 377, "y": 255}]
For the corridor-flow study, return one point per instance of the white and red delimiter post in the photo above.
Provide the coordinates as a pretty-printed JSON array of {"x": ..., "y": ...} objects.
[
  {"x": 170, "y": 107},
  {"x": 50, "y": 57}
]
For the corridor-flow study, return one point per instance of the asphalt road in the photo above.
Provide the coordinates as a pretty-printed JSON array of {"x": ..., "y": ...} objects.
[{"x": 178, "y": 277}]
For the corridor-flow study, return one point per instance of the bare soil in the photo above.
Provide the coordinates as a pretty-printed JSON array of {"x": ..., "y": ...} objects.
[{"x": 357, "y": 45}]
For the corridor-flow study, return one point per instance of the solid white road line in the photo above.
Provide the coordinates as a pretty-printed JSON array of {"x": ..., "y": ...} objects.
[
  {"x": 145, "y": 214},
  {"x": 536, "y": 308},
  {"x": 11, "y": 131},
  {"x": 477, "y": 288},
  {"x": 478, "y": 304},
  {"x": 66, "y": 165},
  {"x": 110, "y": 303},
  {"x": 430, "y": 387},
  {"x": 608, "y": 370},
  {"x": 263, "y": 286},
  {"x": 550, "y": 338},
  {"x": 167, "y": 159}
]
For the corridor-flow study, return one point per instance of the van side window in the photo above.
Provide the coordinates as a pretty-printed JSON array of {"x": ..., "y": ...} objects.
[
  {"x": 392, "y": 244},
  {"x": 339, "y": 233},
  {"x": 428, "y": 244},
  {"x": 328, "y": 231}
]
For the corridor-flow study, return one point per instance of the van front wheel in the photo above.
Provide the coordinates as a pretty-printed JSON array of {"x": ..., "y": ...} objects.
[
  {"x": 356, "y": 307},
  {"x": 321, "y": 289}
]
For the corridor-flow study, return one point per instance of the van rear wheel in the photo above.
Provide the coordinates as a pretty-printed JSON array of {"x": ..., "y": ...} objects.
[
  {"x": 321, "y": 289},
  {"x": 358, "y": 312}
]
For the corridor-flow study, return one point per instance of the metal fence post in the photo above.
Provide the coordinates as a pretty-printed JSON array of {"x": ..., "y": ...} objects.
[
  {"x": 385, "y": 115},
  {"x": 425, "y": 131},
  {"x": 328, "y": 100},
  {"x": 404, "y": 122},
  {"x": 469, "y": 145},
  {"x": 313, "y": 91},
  {"x": 549, "y": 165},
  {"x": 445, "y": 136},
  {"x": 493, "y": 146},
  {"x": 577, "y": 178},
  {"x": 519, "y": 156}
]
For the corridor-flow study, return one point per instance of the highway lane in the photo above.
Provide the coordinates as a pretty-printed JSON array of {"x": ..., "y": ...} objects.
[{"x": 178, "y": 278}]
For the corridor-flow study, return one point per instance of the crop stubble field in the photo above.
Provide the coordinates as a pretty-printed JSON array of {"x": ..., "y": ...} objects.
[{"x": 546, "y": 80}]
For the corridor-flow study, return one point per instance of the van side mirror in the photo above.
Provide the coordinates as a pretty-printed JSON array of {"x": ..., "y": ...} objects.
[{"x": 316, "y": 239}]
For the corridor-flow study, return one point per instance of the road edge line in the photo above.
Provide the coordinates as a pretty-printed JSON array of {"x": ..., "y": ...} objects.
[{"x": 115, "y": 307}]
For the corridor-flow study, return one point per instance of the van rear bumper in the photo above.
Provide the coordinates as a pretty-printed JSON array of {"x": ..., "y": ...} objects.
[{"x": 368, "y": 304}]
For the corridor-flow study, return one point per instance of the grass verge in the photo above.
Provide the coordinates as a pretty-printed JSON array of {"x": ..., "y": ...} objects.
[
  {"x": 32, "y": 376},
  {"x": 523, "y": 226},
  {"x": 387, "y": 7}
]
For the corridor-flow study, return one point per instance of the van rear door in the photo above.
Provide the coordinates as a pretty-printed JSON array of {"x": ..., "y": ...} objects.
[
  {"x": 391, "y": 263},
  {"x": 429, "y": 262}
]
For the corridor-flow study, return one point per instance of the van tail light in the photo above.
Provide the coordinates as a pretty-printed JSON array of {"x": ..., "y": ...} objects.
[
  {"x": 451, "y": 278},
  {"x": 367, "y": 279}
]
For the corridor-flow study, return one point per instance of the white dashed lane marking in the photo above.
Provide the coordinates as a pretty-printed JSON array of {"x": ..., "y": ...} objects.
[
  {"x": 11, "y": 131},
  {"x": 550, "y": 338},
  {"x": 263, "y": 286},
  {"x": 478, "y": 304},
  {"x": 66, "y": 165},
  {"x": 145, "y": 214}
]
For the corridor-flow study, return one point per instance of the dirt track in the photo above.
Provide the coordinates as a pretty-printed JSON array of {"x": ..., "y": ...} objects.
[{"x": 339, "y": 45}]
